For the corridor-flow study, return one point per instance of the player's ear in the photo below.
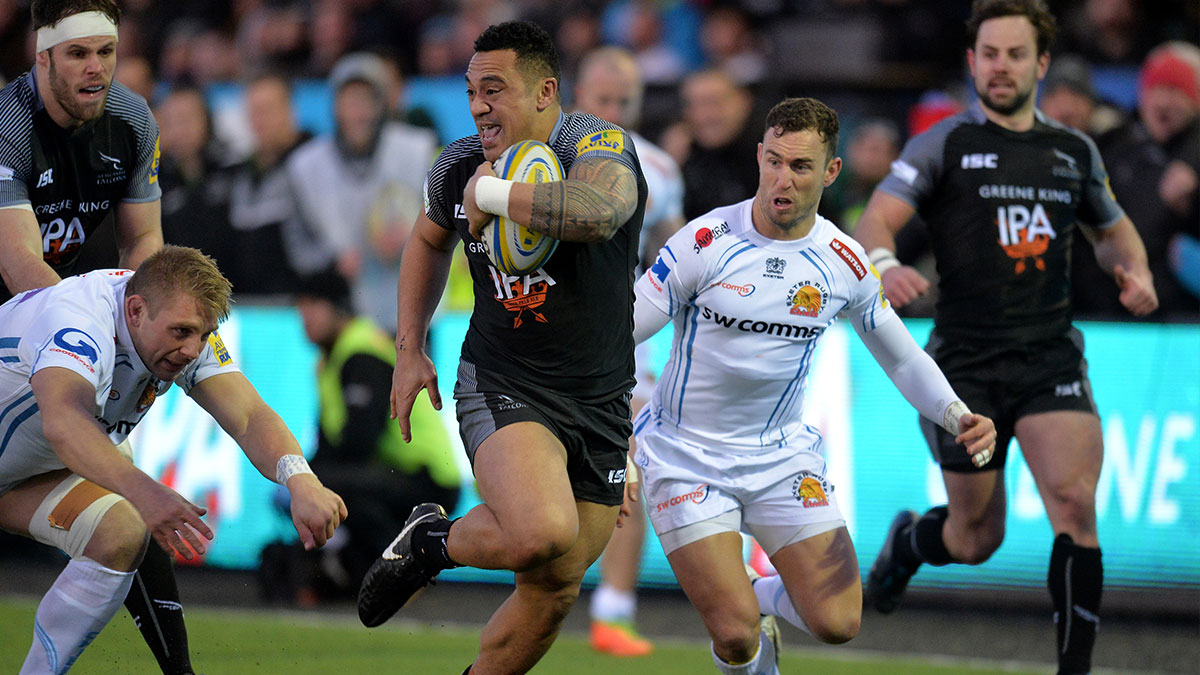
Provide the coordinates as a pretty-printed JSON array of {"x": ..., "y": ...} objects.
[
  {"x": 547, "y": 93},
  {"x": 135, "y": 310}
]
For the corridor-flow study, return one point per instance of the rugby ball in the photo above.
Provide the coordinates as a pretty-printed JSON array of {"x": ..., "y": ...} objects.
[{"x": 511, "y": 247}]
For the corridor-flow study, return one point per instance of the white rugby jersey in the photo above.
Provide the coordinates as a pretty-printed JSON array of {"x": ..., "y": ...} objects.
[
  {"x": 747, "y": 312},
  {"x": 78, "y": 324}
]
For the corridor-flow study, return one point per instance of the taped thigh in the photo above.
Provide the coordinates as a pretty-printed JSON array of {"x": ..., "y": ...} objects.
[
  {"x": 68, "y": 516},
  {"x": 730, "y": 521}
]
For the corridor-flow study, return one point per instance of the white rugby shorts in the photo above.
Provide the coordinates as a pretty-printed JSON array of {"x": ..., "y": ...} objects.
[{"x": 685, "y": 483}]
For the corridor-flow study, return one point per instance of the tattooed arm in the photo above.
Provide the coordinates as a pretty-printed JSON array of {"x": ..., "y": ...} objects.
[{"x": 597, "y": 197}]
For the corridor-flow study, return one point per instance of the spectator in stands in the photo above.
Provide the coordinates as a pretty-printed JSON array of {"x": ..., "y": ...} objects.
[
  {"x": 714, "y": 145},
  {"x": 1153, "y": 166},
  {"x": 261, "y": 211},
  {"x": 874, "y": 144},
  {"x": 370, "y": 172},
  {"x": 195, "y": 202},
  {"x": 730, "y": 44},
  {"x": 1067, "y": 95}
]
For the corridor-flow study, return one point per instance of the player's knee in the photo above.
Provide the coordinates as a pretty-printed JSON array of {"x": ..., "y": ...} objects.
[
  {"x": 120, "y": 538},
  {"x": 542, "y": 544},
  {"x": 837, "y": 628},
  {"x": 734, "y": 641}
]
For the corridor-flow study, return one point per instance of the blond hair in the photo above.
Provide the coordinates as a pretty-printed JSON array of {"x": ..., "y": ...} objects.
[{"x": 179, "y": 269}]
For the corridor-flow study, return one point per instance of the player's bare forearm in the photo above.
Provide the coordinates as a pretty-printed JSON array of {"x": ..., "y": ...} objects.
[
  {"x": 139, "y": 231},
  {"x": 588, "y": 207},
  {"x": 424, "y": 269},
  {"x": 21, "y": 262}
]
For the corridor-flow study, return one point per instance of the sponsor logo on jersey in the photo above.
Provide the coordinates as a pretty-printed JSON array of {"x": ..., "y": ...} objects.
[
  {"x": 706, "y": 236},
  {"x": 610, "y": 140},
  {"x": 522, "y": 294},
  {"x": 507, "y": 402},
  {"x": 115, "y": 172},
  {"x": 696, "y": 496},
  {"x": 219, "y": 350},
  {"x": 115, "y": 161},
  {"x": 786, "y": 330},
  {"x": 154, "y": 164},
  {"x": 46, "y": 178},
  {"x": 845, "y": 253},
  {"x": 114, "y": 395},
  {"x": 1024, "y": 233},
  {"x": 905, "y": 171},
  {"x": 658, "y": 273},
  {"x": 78, "y": 345},
  {"x": 980, "y": 160},
  {"x": 811, "y": 490},
  {"x": 807, "y": 298},
  {"x": 459, "y": 212},
  {"x": 883, "y": 301},
  {"x": 774, "y": 268},
  {"x": 744, "y": 291},
  {"x": 61, "y": 239}
]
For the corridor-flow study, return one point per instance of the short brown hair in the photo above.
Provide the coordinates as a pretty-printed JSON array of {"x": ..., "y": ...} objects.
[
  {"x": 1035, "y": 10},
  {"x": 179, "y": 269},
  {"x": 49, "y": 12},
  {"x": 801, "y": 114}
]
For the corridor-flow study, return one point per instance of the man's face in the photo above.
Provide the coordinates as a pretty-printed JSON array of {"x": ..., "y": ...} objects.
[
  {"x": 1166, "y": 111},
  {"x": 269, "y": 108},
  {"x": 80, "y": 74},
  {"x": 319, "y": 318},
  {"x": 1005, "y": 65},
  {"x": 1068, "y": 106},
  {"x": 715, "y": 110},
  {"x": 183, "y": 125},
  {"x": 170, "y": 336},
  {"x": 503, "y": 105},
  {"x": 610, "y": 94},
  {"x": 792, "y": 173},
  {"x": 358, "y": 110}
]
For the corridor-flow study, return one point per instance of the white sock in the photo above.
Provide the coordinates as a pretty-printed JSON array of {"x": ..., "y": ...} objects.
[
  {"x": 773, "y": 600},
  {"x": 763, "y": 662},
  {"x": 612, "y": 604},
  {"x": 81, "y": 602}
]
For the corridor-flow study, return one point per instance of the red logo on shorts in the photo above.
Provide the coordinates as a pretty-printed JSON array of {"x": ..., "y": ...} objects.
[{"x": 696, "y": 496}]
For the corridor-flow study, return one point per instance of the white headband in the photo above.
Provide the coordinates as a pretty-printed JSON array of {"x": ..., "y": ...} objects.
[{"x": 83, "y": 24}]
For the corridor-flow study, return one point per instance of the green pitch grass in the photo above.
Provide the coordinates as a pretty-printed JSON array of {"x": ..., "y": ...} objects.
[{"x": 230, "y": 642}]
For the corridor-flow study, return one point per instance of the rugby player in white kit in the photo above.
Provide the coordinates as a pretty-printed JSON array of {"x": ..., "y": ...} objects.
[{"x": 750, "y": 288}]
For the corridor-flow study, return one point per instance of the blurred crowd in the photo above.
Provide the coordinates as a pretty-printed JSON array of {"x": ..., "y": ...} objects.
[{"x": 274, "y": 203}]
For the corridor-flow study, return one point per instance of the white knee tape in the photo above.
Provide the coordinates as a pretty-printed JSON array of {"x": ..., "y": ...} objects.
[{"x": 71, "y": 537}]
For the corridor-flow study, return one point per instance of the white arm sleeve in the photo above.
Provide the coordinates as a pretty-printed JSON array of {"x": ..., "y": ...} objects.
[
  {"x": 913, "y": 372},
  {"x": 648, "y": 319}
]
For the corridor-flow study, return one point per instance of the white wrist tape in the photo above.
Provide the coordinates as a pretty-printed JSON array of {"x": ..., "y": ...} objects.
[
  {"x": 491, "y": 195},
  {"x": 83, "y": 24},
  {"x": 290, "y": 465},
  {"x": 954, "y": 413},
  {"x": 882, "y": 259}
]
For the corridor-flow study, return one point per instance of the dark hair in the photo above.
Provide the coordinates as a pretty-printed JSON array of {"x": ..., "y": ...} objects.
[
  {"x": 801, "y": 114},
  {"x": 1035, "y": 10},
  {"x": 536, "y": 55},
  {"x": 49, "y": 12}
]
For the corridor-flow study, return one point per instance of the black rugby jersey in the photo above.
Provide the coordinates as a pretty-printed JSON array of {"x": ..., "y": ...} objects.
[
  {"x": 1002, "y": 208},
  {"x": 74, "y": 178},
  {"x": 568, "y": 326}
]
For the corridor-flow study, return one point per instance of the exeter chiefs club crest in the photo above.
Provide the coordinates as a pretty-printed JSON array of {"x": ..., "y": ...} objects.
[
  {"x": 811, "y": 490},
  {"x": 807, "y": 298}
]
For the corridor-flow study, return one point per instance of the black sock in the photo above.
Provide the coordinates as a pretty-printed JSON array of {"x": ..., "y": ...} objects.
[
  {"x": 429, "y": 543},
  {"x": 922, "y": 541},
  {"x": 153, "y": 601},
  {"x": 1076, "y": 581}
]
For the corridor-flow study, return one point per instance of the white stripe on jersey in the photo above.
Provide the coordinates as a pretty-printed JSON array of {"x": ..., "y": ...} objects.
[{"x": 747, "y": 312}]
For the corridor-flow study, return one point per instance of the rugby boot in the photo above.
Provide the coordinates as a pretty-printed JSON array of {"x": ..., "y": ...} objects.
[
  {"x": 618, "y": 638},
  {"x": 397, "y": 574},
  {"x": 769, "y": 625},
  {"x": 888, "y": 579}
]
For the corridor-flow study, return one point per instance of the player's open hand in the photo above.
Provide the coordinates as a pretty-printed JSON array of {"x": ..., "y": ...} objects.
[
  {"x": 978, "y": 433},
  {"x": 1137, "y": 289},
  {"x": 414, "y": 372},
  {"x": 171, "y": 519},
  {"x": 476, "y": 219},
  {"x": 316, "y": 510},
  {"x": 903, "y": 284}
]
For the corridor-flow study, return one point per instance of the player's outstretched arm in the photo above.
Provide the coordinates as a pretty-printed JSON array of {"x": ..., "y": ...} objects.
[
  {"x": 139, "y": 231},
  {"x": 876, "y": 230},
  {"x": 924, "y": 386},
  {"x": 21, "y": 263},
  {"x": 1119, "y": 249},
  {"x": 423, "y": 272},
  {"x": 260, "y": 432},
  {"x": 68, "y": 406}
]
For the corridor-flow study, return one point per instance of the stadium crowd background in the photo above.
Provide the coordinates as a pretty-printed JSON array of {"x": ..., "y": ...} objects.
[{"x": 891, "y": 68}]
